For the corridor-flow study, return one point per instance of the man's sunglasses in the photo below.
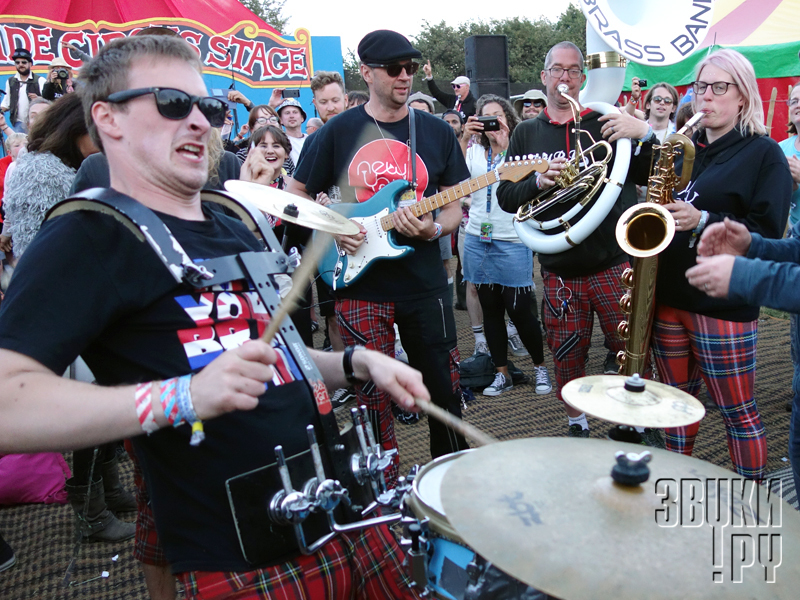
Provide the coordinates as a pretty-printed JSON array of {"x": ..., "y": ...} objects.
[
  {"x": 660, "y": 100},
  {"x": 456, "y": 86},
  {"x": 536, "y": 103},
  {"x": 175, "y": 104},
  {"x": 395, "y": 69}
]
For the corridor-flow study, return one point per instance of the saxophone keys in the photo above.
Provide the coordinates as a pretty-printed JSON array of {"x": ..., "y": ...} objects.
[
  {"x": 623, "y": 330},
  {"x": 627, "y": 278},
  {"x": 625, "y": 303}
]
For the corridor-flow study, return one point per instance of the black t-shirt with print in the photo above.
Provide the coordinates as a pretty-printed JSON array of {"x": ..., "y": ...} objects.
[
  {"x": 87, "y": 287},
  {"x": 360, "y": 158}
]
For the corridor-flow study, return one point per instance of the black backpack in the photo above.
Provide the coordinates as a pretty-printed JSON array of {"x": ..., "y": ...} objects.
[{"x": 478, "y": 371}]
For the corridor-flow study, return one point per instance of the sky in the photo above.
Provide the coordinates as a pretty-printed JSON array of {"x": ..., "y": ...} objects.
[{"x": 352, "y": 20}]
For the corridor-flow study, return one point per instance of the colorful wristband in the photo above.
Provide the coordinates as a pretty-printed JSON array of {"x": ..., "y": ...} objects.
[
  {"x": 144, "y": 407},
  {"x": 438, "y": 233}
]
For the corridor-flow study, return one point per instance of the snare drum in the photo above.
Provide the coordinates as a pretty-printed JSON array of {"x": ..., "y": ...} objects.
[{"x": 448, "y": 555}]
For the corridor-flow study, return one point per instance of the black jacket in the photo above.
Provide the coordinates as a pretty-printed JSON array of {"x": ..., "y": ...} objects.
[
  {"x": 743, "y": 177},
  {"x": 449, "y": 100},
  {"x": 542, "y": 137}
]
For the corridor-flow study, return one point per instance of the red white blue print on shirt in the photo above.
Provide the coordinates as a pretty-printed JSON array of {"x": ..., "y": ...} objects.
[
  {"x": 225, "y": 317},
  {"x": 381, "y": 162}
]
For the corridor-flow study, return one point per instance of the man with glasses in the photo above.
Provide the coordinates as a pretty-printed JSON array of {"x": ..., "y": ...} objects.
[
  {"x": 660, "y": 105},
  {"x": 362, "y": 150},
  {"x": 21, "y": 88},
  {"x": 165, "y": 352},
  {"x": 530, "y": 105},
  {"x": 589, "y": 273},
  {"x": 460, "y": 100}
]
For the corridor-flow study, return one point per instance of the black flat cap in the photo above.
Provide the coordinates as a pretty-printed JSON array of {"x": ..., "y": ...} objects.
[{"x": 384, "y": 47}]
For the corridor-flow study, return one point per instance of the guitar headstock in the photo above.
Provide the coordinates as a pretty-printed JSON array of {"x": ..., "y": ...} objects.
[{"x": 522, "y": 166}]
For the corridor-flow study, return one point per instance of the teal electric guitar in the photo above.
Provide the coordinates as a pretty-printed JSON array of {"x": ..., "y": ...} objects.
[{"x": 340, "y": 270}]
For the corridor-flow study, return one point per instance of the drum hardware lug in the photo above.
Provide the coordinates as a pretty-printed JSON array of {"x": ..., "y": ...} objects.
[
  {"x": 372, "y": 461},
  {"x": 288, "y": 507},
  {"x": 417, "y": 557}
]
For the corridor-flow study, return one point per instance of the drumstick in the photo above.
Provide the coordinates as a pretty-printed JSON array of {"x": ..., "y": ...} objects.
[
  {"x": 308, "y": 265},
  {"x": 452, "y": 421}
]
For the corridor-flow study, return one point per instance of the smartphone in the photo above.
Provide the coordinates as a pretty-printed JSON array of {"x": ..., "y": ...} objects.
[
  {"x": 291, "y": 93},
  {"x": 643, "y": 83},
  {"x": 489, "y": 123}
]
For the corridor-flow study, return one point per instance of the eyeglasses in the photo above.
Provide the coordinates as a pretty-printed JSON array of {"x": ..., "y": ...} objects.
[
  {"x": 719, "y": 88},
  {"x": 794, "y": 101},
  {"x": 176, "y": 105},
  {"x": 262, "y": 120},
  {"x": 395, "y": 69},
  {"x": 456, "y": 86},
  {"x": 535, "y": 103},
  {"x": 661, "y": 100},
  {"x": 21, "y": 61},
  {"x": 559, "y": 71}
]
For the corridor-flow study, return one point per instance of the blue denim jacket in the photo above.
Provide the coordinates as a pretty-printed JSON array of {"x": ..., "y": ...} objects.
[{"x": 770, "y": 274}]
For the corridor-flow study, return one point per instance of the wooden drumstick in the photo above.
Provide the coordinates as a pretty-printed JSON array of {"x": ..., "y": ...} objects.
[
  {"x": 307, "y": 268},
  {"x": 452, "y": 421}
]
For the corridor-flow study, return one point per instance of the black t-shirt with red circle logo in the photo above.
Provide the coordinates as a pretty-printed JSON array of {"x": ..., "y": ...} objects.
[{"x": 361, "y": 157}]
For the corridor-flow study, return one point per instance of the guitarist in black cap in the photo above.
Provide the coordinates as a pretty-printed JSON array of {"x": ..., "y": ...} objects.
[{"x": 362, "y": 150}]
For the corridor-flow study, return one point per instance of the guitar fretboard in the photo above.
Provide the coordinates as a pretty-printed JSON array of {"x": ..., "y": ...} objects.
[{"x": 439, "y": 200}]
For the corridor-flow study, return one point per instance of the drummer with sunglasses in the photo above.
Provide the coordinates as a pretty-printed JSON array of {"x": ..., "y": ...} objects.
[
  {"x": 460, "y": 100},
  {"x": 167, "y": 354}
]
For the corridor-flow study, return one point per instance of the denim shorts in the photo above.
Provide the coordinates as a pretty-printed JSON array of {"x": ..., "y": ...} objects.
[{"x": 509, "y": 264}]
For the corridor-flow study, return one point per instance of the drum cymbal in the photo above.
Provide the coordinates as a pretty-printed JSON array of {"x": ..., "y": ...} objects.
[
  {"x": 276, "y": 202},
  {"x": 546, "y": 511},
  {"x": 660, "y": 405}
]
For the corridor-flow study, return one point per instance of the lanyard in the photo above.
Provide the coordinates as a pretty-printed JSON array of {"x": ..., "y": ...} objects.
[{"x": 490, "y": 165}]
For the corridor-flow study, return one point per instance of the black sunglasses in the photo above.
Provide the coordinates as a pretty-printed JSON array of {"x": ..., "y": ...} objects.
[
  {"x": 176, "y": 105},
  {"x": 395, "y": 69},
  {"x": 536, "y": 103}
]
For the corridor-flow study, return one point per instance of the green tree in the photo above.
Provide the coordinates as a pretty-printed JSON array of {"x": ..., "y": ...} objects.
[{"x": 269, "y": 11}]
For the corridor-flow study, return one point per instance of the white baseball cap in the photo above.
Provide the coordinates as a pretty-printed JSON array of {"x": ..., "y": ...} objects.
[{"x": 461, "y": 80}]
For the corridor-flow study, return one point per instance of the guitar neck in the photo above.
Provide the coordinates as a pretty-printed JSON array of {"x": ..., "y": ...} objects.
[{"x": 426, "y": 205}]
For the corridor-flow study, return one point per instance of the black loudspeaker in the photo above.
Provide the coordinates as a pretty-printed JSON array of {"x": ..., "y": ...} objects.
[{"x": 486, "y": 61}]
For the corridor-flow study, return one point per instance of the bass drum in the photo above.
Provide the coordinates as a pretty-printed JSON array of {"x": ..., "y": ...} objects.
[{"x": 448, "y": 555}]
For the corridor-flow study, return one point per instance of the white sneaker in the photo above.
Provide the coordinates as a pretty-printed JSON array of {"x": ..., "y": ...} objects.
[
  {"x": 543, "y": 385},
  {"x": 499, "y": 385},
  {"x": 481, "y": 348},
  {"x": 516, "y": 345}
]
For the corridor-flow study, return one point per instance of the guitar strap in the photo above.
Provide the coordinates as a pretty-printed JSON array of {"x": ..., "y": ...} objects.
[{"x": 412, "y": 138}]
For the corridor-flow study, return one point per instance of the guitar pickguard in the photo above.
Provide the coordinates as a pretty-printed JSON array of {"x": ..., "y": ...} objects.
[{"x": 376, "y": 246}]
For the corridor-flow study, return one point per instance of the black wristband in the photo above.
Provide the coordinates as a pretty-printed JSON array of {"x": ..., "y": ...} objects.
[{"x": 347, "y": 365}]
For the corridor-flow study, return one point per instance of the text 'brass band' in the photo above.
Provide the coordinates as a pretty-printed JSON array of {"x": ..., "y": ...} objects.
[{"x": 602, "y": 60}]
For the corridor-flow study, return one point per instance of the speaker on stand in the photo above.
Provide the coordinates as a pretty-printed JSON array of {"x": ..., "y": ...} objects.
[{"x": 486, "y": 61}]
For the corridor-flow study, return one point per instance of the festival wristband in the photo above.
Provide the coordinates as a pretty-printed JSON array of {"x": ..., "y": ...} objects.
[
  {"x": 187, "y": 412},
  {"x": 438, "y": 233},
  {"x": 169, "y": 401},
  {"x": 144, "y": 407},
  {"x": 176, "y": 402}
]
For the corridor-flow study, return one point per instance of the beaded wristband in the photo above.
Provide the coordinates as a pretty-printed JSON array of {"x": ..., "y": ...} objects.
[{"x": 144, "y": 407}]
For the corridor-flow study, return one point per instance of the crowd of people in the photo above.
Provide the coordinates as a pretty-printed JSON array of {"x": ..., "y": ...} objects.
[{"x": 138, "y": 120}]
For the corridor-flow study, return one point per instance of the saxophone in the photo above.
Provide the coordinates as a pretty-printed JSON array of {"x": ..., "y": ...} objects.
[{"x": 644, "y": 231}]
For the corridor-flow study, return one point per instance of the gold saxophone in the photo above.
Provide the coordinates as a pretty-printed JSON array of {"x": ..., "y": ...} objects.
[{"x": 643, "y": 231}]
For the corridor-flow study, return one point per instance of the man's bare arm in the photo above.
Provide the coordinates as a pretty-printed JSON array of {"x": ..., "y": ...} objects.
[{"x": 40, "y": 411}]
